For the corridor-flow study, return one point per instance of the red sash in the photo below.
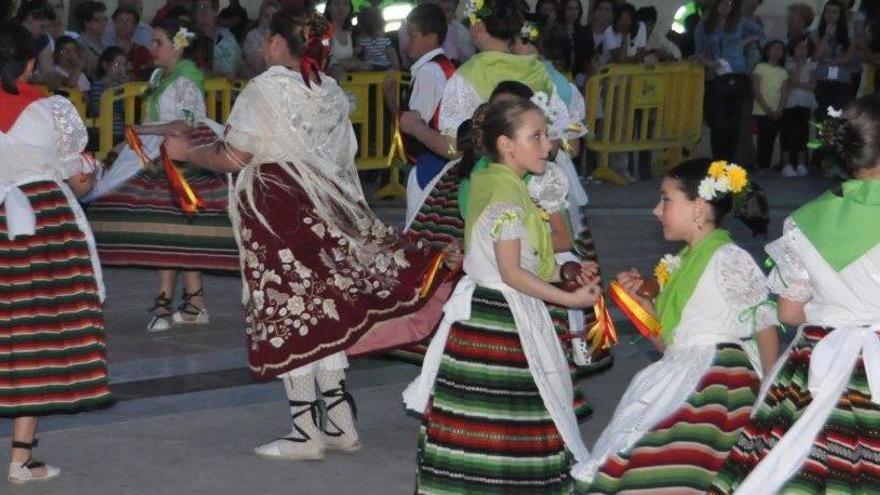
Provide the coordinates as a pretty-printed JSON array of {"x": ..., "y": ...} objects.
[
  {"x": 448, "y": 69},
  {"x": 11, "y": 106}
]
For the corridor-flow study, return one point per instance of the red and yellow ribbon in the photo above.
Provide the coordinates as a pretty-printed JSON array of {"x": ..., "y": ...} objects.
[
  {"x": 136, "y": 145},
  {"x": 602, "y": 334},
  {"x": 646, "y": 323},
  {"x": 431, "y": 274},
  {"x": 190, "y": 202}
]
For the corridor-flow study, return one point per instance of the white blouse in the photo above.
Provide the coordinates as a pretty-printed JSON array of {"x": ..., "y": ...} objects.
[
  {"x": 180, "y": 98},
  {"x": 460, "y": 101},
  {"x": 848, "y": 297},
  {"x": 727, "y": 306},
  {"x": 46, "y": 140}
]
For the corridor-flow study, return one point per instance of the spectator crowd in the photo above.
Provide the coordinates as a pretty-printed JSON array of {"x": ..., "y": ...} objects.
[{"x": 821, "y": 62}]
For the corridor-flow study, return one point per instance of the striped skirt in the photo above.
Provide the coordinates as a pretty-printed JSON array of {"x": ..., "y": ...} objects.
[
  {"x": 844, "y": 458},
  {"x": 683, "y": 453},
  {"x": 141, "y": 225},
  {"x": 486, "y": 429},
  {"x": 439, "y": 222},
  {"x": 52, "y": 355}
]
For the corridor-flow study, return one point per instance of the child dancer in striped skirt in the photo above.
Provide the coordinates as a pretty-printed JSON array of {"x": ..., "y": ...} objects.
[
  {"x": 495, "y": 393},
  {"x": 680, "y": 416},
  {"x": 816, "y": 428},
  {"x": 52, "y": 356}
]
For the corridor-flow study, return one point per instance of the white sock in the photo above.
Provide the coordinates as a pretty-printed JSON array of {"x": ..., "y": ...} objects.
[
  {"x": 304, "y": 406},
  {"x": 340, "y": 415}
]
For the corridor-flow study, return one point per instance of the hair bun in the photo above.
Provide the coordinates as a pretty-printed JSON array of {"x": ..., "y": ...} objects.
[{"x": 838, "y": 135}]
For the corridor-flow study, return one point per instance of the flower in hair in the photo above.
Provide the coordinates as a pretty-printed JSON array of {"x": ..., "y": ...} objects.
[
  {"x": 557, "y": 119},
  {"x": 475, "y": 10},
  {"x": 723, "y": 178},
  {"x": 182, "y": 38},
  {"x": 834, "y": 113},
  {"x": 529, "y": 32}
]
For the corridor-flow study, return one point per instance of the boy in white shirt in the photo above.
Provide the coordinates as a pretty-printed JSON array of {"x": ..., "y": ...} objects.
[{"x": 426, "y": 148}]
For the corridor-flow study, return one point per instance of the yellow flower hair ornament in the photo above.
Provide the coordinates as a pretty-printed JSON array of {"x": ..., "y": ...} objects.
[
  {"x": 475, "y": 10},
  {"x": 529, "y": 32},
  {"x": 723, "y": 178}
]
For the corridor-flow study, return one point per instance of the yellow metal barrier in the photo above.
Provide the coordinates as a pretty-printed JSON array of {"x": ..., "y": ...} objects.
[
  {"x": 636, "y": 108},
  {"x": 218, "y": 103},
  {"x": 374, "y": 125}
]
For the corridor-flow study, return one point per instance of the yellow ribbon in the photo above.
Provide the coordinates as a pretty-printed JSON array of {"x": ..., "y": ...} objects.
[
  {"x": 603, "y": 333},
  {"x": 397, "y": 150}
]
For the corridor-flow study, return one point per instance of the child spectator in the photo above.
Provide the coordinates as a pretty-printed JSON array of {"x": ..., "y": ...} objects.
[
  {"x": 427, "y": 28},
  {"x": 770, "y": 90},
  {"x": 373, "y": 46},
  {"x": 69, "y": 65},
  {"x": 659, "y": 47},
  {"x": 798, "y": 106},
  {"x": 625, "y": 38},
  {"x": 112, "y": 71}
]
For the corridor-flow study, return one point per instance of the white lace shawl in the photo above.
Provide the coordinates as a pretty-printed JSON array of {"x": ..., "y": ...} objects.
[{"x": 306, "y": 130}]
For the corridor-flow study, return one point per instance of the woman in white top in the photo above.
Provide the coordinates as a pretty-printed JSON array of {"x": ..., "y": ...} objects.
[
  {"x": 680, "y": 416},
  {"x": 814, "y": 429},
  {"x": 340, "y": 14},
  {"x": 52, "y": 331},
  {"x": 139, "y": 220}
]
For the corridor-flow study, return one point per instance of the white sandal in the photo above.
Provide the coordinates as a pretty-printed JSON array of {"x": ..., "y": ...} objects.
[{"x": 23, "y": 472}]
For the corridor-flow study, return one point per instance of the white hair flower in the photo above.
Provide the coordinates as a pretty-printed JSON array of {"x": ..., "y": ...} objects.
[
  {"x": 707, "y": 190},
  {"x": 834, "y": 113},
  {"x": 182, "y": 38}
]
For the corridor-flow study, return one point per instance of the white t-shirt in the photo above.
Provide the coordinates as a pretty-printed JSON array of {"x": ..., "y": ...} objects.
[
  {"x": 613, "y": 40},
  {"x": 429, "y": 81}
]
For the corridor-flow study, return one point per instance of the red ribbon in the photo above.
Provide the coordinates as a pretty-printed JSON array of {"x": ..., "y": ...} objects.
[
  {"x": 190, "y": 202},
  {"x": 307, "y": 66}
]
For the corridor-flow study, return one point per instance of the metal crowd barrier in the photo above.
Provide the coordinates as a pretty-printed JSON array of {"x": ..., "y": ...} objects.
[
  {"x": 637, "y": 108},
  {"x": 374, "y": 125},
  {"x": 219, "y": 95}
]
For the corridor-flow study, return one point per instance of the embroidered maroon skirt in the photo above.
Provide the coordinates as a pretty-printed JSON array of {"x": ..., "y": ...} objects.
[{"x": 309, "y": 295}]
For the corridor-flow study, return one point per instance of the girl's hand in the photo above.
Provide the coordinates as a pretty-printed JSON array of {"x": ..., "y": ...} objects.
[
  {"x": 632, "y": 281},
  {"x": 584, "y": 297},
  {"x": 453, "y": 256},
  {"x": 589, "y": 274},
  {"x": 178, "y": 147}
]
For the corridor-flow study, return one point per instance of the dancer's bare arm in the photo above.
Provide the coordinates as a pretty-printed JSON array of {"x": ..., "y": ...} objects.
[{"x": 217, "y": 157}]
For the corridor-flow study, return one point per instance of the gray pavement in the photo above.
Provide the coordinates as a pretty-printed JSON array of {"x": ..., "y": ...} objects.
[{"x": 188, "y": 414}]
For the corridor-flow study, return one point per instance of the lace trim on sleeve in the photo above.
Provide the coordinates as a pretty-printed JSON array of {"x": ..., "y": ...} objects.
[
  {"x": 550, "y": 189},
  {"x": 460, "y": 99},
  {"x": 504, "y": 221},
  {"x": 71, "y": 136},
  {"x": 744, "y": 287},
  {"x": 789, "y": 278},
  {"x": 189, "y": 99}
]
